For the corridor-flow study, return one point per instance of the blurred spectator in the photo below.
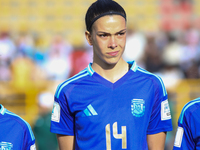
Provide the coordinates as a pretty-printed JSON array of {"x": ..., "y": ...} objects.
[
  {"x": 25, "y": 45},
  {"x": 58, "y": 63},
  {"x": 80, "y": 60},
  {"x": 171, "y": 56},
  {"x": 152, "y": 58},
  {"x": 171, "y": 76},
  {"x": 190, "y": 54},
  {"x": 7, "y": 53},
  {"x": 25, "y": 71},
  {"x": 5, "y": 71},
  {"x": 7, "y": 47},
  {"x": 161, "y": 39},
  {"x": 192, "y": 71},
  {"x": 135, "y": 44},
  {"x": 45, "y": 140}
]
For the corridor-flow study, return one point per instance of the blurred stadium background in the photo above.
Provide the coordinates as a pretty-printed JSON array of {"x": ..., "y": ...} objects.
[{"x": 42, "y": 43}]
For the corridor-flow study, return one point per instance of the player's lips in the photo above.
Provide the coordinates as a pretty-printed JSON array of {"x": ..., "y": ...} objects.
[{"x": 113, "y": 53}]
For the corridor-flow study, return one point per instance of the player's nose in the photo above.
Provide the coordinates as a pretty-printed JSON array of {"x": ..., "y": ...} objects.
[{"x": 112, "y": 42}]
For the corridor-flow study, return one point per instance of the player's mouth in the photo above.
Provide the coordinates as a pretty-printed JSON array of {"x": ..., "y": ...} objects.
[{"x": 113, "y": 53}]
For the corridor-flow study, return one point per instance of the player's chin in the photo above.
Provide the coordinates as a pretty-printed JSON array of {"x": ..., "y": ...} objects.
[{"x": 112, "y": 61}]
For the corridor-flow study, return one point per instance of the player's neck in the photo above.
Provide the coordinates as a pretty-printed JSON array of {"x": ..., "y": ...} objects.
[{"x": 112, "y": 72}]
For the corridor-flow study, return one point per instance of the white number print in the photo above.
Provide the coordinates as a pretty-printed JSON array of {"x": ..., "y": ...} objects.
[{"x": 115, "y": 135}]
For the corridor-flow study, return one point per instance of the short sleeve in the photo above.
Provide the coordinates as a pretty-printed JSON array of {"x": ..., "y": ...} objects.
[
  {"x": 62, "y": 120},
  {"x": 184, "y": 134},
  {"x": 160, "y": 119},
  {"x": 29, "y": 138}
]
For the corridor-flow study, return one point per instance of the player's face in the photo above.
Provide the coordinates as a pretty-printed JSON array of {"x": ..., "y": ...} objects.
[{"x": 108, "y": 38}]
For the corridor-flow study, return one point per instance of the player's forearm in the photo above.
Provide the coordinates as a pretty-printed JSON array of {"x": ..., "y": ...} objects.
[
  {"x": 65, "y": 142},
  {"x": 156, "y": 141}
]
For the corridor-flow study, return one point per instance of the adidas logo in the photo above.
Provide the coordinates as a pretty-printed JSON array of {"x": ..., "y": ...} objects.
[{"x": 89, "y": 111}]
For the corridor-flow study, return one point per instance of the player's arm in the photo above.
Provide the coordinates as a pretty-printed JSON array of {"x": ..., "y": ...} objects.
[
  {"x": 65, "y": 142},
  {"x": 156, "y": 141}
]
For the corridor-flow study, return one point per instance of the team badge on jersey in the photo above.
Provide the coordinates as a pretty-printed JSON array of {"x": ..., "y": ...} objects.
[
  {"x": 137, "y": 107},
  {"x": 6, "y": 146}
]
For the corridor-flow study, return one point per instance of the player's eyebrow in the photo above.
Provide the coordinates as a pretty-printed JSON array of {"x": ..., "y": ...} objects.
[
  {"x": 124, "y": 30},
  {"x": 103, "y": 32}
]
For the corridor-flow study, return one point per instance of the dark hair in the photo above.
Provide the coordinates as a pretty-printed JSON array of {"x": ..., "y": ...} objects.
[{"x": 101, "y": 8}]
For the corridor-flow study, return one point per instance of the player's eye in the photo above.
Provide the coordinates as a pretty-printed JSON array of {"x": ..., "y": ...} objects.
[
  {"x": 121, "y": 33},
  {"x": 103, "y": 35}
]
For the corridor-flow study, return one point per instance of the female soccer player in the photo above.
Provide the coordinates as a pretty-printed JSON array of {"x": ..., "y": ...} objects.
[{"x": 111, "y": 104}]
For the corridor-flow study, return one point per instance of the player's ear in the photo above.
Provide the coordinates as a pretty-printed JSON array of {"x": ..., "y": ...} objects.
[{"x": 88, "y": 37}]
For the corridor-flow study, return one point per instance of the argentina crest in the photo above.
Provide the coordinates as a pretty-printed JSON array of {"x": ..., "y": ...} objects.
[
  {"x": 6, "y": 146},
  {"x": 137, "y": 107}
]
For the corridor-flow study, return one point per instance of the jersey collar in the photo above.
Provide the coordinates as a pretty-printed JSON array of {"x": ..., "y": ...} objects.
[
  {"x": 2, "y": 110},
  {"x": 90, "y": 70},
  {"x": 133, "y": 67}
]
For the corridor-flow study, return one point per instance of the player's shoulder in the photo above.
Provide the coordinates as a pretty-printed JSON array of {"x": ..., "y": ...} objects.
[
  {"x": 189, "y": 108},
  {"x": 148, "y": 74},
  {"x": 19, "y": 122},
  {"x": 72, "y": 81},
  {"x": 16, "y": 119},
  {"x": 143, "y": 73}
]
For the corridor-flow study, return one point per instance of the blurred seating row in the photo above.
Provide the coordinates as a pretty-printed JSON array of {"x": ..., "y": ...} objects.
[{"x": 67, "y": 16}]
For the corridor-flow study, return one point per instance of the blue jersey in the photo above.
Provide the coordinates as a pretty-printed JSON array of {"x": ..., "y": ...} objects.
[
  {"x": 188, "y": 131},
  {"x": 15, "y": 133},
  {"x": 104, "y": 115}
]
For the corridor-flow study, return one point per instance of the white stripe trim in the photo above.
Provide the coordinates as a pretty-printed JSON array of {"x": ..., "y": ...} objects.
[
  {"x": 2, "y": 110},
  {"x": 69, "y": 80},
  {"x": 187, "y": 106},
  {"x": 90, "y": 70},
  {"x": 76, "y": 78},
  {"x": 163, "y": 87},
  {"x": 134, "y": 66},
  {"x": 91, "y": 109}
]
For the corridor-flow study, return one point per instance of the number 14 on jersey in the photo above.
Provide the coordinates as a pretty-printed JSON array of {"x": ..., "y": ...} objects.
[{"x": 115, "y": 135}]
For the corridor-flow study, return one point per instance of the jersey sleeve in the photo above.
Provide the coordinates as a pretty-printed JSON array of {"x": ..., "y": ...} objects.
[
  {"x": 160, "y": 119},
  {"x": 31, "y": 145},
  {"x": 62, "y": 120},
  {"x": 29, "y": 138},
  {"x": 186, "y": 131}
]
